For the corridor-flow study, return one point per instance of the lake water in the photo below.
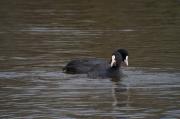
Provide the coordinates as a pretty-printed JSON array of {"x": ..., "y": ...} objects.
[{"x": 38, "y": 38}]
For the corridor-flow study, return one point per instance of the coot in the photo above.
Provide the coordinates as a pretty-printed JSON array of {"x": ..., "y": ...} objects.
[{"x": 97, "y": 67}]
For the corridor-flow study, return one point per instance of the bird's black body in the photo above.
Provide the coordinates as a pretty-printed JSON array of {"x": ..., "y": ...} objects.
[
  {"x": 81, "y": 66},
  {"x": 96, "y": 67}
]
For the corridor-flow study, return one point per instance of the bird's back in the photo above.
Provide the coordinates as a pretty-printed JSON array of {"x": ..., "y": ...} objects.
[{"x": 82, "y": 66}]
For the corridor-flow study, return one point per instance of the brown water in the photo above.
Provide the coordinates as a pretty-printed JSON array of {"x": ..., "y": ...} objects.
[{"x": 37, "y": 38}]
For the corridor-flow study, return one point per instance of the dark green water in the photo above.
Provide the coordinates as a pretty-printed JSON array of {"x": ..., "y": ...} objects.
[{"x": 37, "y": 38}]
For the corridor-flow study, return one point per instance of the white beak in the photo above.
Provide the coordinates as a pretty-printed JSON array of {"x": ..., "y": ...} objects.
[
  {"x": 126, "y": 61},
  {"x": 113, "y": 60}
]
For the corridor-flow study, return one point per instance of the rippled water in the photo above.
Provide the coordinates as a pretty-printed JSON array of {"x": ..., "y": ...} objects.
[{"x": 38, "y": 38}]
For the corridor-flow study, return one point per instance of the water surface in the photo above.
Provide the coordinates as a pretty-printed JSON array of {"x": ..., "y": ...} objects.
[{"x": 38, "y": 38}]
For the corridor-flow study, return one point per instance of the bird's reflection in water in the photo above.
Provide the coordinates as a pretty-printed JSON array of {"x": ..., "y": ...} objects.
[{"x": 120, "y": 94}]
